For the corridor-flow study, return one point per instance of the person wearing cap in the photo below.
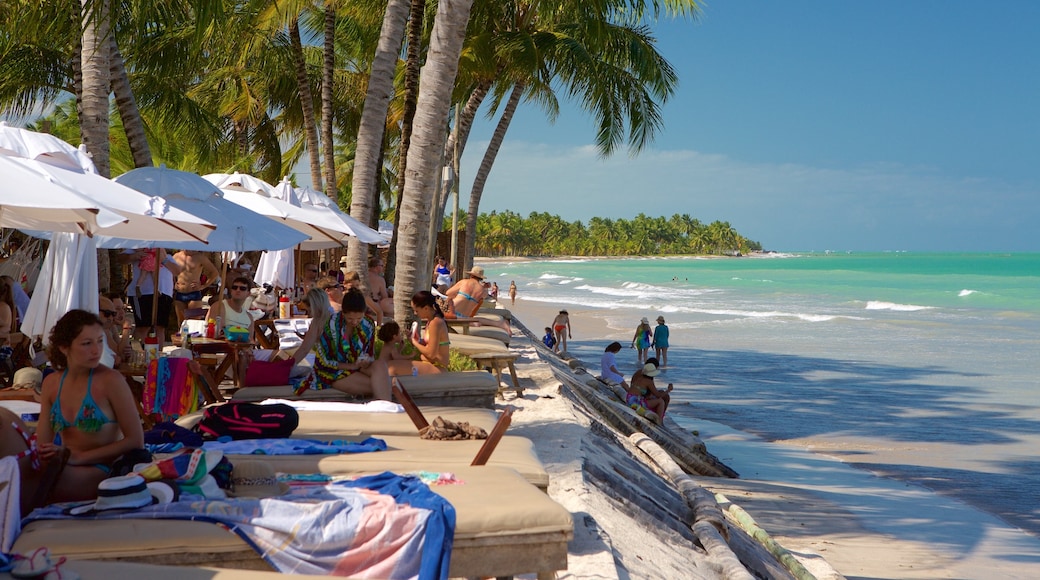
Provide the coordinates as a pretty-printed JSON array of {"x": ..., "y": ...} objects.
[
  {"x": 642, "y": 392},
  {"x": 661, "y": 342},
  {"x": 468, "y": 294},
  {"x": 642, "y": 339},
  {"x": 381, "y": 295}
]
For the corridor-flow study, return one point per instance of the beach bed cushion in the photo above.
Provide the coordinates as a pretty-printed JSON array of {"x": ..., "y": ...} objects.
[
  {"x": 493, "y": 332},
  {"x": 467, "y": 344},
  {"x": 503, "y": 527},
  {"x": 314, "y": 424},
  {"x": 407, "y": 453},
  {"x": 455, "y": 389}
]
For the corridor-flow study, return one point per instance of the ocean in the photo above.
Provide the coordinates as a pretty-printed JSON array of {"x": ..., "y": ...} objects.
[{"x": 923, "y": 368}]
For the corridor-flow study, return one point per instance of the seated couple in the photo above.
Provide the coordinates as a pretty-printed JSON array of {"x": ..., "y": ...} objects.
[
  {"x": 344, "y": 346},
  {"x": 88, "y": 419}
]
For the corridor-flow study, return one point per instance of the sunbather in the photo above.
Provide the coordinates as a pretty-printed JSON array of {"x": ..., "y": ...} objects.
[
  {"x": 433, "y": 343},
  {"x": 642, "y": 392},
  {"x": 344, "y": 354},
  {"x": 85, "y": 407}
]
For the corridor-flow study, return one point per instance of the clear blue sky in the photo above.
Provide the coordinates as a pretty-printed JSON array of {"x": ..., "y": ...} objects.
[{"x": 815, "y": 125}]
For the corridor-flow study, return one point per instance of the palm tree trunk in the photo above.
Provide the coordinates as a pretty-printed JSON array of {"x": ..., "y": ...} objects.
[
  {"x": 411, "y": 95},
  {"x": 485, "y": 168},
  {"x": 373, "y": 126},
  {"x": 328, "y": 69},
  {"x": 133, "y": 126},
  {"x": 469, "y": 112},
  {"x": 424, "y": 156},
  {"x": 310, "y": 124},
  {"x": 93, "y": 116}
]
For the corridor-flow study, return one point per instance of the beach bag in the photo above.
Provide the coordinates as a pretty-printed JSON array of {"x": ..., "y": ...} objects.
[{"x": 248, "y": 421}]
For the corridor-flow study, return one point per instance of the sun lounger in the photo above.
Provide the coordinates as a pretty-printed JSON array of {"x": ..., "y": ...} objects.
[
  {"x": 407, "y": 453},
  {"x": 455, "y": 389},
  {"x": 467, "y": 344},
  {"x": 331, "y": 424},
  {"x": 504, "y": 527},
  {"x": 89, "y": 570}
]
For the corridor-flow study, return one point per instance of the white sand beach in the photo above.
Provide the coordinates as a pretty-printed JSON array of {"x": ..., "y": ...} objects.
[{"x": 862, "y": 525}]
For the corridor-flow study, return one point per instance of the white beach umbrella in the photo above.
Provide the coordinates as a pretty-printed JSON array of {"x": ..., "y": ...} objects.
[
  {"x": 322, "y": 228},
  {"x": 277, "y": 268},
  {"x": 30, "y": 200},
  {"x": 68, "y": 280},
  {"x": 348, "y": 224},
  {"x": 237, "y": 228},
  {"x": 17, "y": 142}
]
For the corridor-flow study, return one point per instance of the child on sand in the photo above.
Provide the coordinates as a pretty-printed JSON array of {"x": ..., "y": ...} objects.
[{"x": 549, "y": 340}]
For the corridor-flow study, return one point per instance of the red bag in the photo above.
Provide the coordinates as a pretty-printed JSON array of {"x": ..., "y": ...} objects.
[{"x": 273, "y": 373}]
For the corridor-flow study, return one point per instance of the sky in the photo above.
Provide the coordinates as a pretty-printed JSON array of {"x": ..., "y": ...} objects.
[{"x": 813, "y": 125}]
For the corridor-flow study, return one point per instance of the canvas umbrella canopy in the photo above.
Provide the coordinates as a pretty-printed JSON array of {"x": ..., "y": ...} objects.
[
  {"x": 321, "y": 228},
  {"x": 237, "y": 228},
  {"x": 47, "y": 178},
  {"x": 348, "y": 225}
]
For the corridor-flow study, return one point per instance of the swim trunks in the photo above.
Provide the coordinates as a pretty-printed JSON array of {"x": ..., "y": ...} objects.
[{"x": 187, "y": 296}]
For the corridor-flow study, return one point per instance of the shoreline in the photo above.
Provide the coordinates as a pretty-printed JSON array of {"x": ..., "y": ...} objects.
[{"x": 863, "y": 525}]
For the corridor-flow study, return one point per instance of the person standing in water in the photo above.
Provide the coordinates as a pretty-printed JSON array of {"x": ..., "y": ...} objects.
[
  {"x": 642, "y": 339},
  {"x": 512, "y": 293},
  {"x": 562, "y": 327},
  {"x": 661, "y": 342}
]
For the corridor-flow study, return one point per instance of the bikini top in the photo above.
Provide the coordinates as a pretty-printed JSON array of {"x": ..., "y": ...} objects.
[{"x": 89, "y": 419}]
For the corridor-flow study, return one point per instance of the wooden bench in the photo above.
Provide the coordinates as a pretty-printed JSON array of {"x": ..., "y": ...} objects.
[{"x": 495, "y": 361}]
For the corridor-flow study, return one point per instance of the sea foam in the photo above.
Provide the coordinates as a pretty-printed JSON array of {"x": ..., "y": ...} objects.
[{"x": 880, "y": 305}]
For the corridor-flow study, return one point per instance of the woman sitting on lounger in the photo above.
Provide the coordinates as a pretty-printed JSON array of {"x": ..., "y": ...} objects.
[
  {"x": 85, "y": 407},
  {"x": 433, "y": 343},
  {"x": 344, "y": 354}
]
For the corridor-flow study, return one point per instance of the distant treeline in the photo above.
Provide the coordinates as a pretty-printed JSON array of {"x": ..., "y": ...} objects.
[{"x": 541, "y": 234}]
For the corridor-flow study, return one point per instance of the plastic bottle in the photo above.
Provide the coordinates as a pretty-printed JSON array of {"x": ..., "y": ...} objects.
[
  {"x": 151, "y": 347},
  {"x": 185, "y": 331},
  {"x": 284, "y": 307},
  {"x": 217, "y": 327},
  {"x": 211, "y": 328}
]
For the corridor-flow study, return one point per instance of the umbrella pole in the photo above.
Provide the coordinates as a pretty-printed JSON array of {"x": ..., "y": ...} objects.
[{"x": 155, "y": 290}]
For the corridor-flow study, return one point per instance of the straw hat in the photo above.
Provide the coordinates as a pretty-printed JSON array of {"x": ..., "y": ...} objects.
[
  {"x": 660, "y": 319},
  {"x": 644, "y": 320},
  {"x": 476, "y": 272},
  {"x": 343, "y": 260},
  {"x": 651, "y": 370},
  {"x": 256, "y": 479}
]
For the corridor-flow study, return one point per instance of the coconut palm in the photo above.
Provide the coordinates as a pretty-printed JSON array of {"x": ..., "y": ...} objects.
[
  {"x": 423, "y": 165},
  {"x": 599, "y": 52}
]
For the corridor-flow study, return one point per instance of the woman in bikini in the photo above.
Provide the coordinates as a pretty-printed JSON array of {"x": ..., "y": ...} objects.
[
  {"x": 433, "y": 343},
  {"x": 562, "y": 327},
  {"x": 642, "y": 392},
  {"x": 468, "y": 294},
  {"x": 85, "y": 407}
]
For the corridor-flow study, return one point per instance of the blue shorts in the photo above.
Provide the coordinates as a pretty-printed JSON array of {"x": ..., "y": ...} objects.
[{"x": 187, "y": 296}]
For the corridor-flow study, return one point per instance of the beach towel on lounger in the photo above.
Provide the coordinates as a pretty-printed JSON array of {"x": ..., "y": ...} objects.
[{"x": 328, "y": 530}]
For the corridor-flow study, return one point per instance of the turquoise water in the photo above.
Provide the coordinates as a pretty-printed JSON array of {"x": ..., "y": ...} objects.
[{"x": 920, "y": 367}]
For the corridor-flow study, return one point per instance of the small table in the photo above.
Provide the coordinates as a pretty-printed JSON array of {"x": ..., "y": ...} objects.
[
  {"x": 495, "y": 361},
  {"x": 215, "y": 346}
]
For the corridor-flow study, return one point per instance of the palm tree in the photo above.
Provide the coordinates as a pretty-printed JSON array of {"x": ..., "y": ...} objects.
[
  {"x": 423, "y": 165},
  {"x": 94, "y": 68},
  {"x": 371, "y": 132},
  {"x": 599, "y": 53}
]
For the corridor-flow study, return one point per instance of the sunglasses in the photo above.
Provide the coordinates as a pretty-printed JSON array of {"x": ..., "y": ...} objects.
[
  {"x": 336, "y": 287},
  {"x": 108, "y": 313},
  {"x": 237, "y": 287},
  {"x": 309, "y": 270}
]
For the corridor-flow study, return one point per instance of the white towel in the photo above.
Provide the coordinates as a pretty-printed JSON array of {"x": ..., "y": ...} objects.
[
  {"x": 10, "y": 499},
  {"x": 369, "y": 407}
]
